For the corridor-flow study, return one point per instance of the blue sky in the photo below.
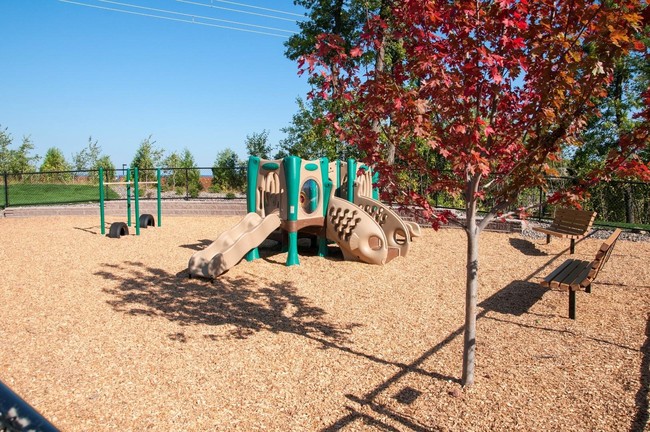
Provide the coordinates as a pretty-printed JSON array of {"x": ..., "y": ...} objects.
[{"x": 70, "y": 71}]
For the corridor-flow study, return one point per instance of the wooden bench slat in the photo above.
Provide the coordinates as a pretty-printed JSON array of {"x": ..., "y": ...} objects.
[
  {"x": 569, "y": 223},
  {"x": 571, "y": 276},
  {"x": 557, "y": 271},
  {"x": 574, "y": 275}
]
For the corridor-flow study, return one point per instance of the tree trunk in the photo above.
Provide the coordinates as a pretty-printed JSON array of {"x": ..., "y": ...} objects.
[
  {"x": 471, "y": 283},
  {"x": 471, "y": 289}
]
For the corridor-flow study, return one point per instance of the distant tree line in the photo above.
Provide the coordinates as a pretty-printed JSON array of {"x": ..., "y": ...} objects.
[{"x": 179, "y": 168}]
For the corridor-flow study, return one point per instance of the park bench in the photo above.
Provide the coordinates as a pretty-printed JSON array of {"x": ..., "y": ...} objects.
[
  {"x": 569, "y": 223},
  {"x": 574, "y": 275}
]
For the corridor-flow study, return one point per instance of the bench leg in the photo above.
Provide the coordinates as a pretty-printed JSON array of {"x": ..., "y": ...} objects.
[
  {"x": 588, "y": 289},
  {"x": 548, "y": 238},
  {"x": 572, "y": 249},
  {"x": 572, "y": 304}
]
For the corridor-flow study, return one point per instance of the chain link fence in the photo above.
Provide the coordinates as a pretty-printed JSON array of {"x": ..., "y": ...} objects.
[
  {"x": 70, "y": 187},
  {"x": 615, "y": 201}
]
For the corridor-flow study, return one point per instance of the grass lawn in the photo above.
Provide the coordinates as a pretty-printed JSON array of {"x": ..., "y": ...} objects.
[
  {"x": 43, "y": 193},
  {"x": 623, "y": 225}
]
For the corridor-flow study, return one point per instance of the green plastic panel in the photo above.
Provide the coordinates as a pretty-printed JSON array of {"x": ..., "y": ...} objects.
[{"x": 271, "y": 166}]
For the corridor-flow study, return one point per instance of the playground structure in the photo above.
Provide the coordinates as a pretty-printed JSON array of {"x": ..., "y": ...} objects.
[
  {"x": 118, "y": 229},
  {"x": 334, "y": 201}
]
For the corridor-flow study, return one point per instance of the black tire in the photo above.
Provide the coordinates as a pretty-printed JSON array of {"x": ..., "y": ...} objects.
[
  {"x": 118, "y": 229},
  {"x": 146, "y": 220}
]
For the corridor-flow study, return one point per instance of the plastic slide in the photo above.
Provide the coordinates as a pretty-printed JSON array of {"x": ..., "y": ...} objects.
[
  {"x": 399, "y": 233},
  {"x": 357, "y": 233},
  {"x": 231, "y": 246}
]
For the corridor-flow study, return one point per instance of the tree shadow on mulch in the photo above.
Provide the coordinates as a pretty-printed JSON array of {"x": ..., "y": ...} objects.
[
  {"x": 199, "y": 245},
  {"x": 526, "y": 247},
  {"x": 516, "y": 298},
  {"x": 242, "y": 303},
  {"x": 640, "y": 420}
]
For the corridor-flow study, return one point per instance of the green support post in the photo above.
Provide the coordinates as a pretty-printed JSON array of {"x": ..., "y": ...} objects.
[
  {"x": 101, "y": 201},
  {"x": 338, "y": 178},
  {"x": 352, "y": 176},
  {"x": 136, "y": 192},
  {"x": 375, "y": 190},
  {"x": 159, "y": 196},
  {"x": 251, "y": 197},
  {"x": 292, "y": 180},
  {"x": 128, "y": 196},
  {"x": 327, "y": 190}
]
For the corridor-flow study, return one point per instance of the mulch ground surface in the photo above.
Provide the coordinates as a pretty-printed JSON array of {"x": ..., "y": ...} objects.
[{"x": 106, "y": 334}]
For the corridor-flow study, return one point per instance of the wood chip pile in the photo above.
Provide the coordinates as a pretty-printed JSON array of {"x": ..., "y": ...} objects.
[{"x": 106, "y": 334}]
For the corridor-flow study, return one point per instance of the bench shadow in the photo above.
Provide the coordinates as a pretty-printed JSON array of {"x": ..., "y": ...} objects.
[
  {"x": 526, "y": 247},
  {"x": 516, "y": 298}
]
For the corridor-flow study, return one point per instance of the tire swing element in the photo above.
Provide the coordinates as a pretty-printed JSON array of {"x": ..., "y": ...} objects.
[
  {"x": 118, "y": 229},
  {"x": 146, "y": 220}
]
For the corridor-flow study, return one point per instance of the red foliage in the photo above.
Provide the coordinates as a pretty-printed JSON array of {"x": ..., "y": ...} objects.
[{"x": 494, "y": 88}]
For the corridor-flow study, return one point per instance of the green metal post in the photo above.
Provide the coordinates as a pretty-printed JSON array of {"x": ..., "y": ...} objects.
[
  {"x": 128, "y": 196},
  {"x": 292, "y": 180},
  {"x": 136, "y": 192},
  {"x": 352, "y": 176},
  {"x": 327, "y": 190},
  {"x": 101, "y": 201},
  {"x": 375, "y": 190},
  {"x": 338, "y": 178},
  {"x": 251, "y": 197},
  {"x": 159, "y": 195}
]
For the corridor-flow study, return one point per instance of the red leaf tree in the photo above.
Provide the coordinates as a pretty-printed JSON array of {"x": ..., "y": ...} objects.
[{"x": 494, "y": 89}]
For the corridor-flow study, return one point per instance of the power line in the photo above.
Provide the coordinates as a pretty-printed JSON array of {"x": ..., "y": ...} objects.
[
  {"x": 193, "y": 16},
  {"x": 193, "y": 21},
  {"x": 236, "y": 10},
  {"x": 259, "y": 7}
]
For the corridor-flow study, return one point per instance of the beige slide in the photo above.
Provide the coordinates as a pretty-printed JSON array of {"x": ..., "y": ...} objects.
[
  {"x": 357, "y": 233},
  {"x": 231, "y": 246},
  {"x": 399, "y": 233}
]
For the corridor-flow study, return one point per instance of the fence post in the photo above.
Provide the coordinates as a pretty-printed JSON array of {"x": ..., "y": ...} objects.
[
  {"x": 102, "y": 220},
  {"x": 128, "y": 196},
  {"x": 6, "y": 178},
  {"x": 540, "y": 212},
  {"x": 158, "y": 196},
  {"x": 187, "y": 184}
]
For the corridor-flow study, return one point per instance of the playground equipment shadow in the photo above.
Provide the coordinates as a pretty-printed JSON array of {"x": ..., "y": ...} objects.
[{"x": 103, "y": 334}]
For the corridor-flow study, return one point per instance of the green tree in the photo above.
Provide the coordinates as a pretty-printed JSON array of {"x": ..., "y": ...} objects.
[
  {"x": 339, "y": 23},
  {"x": 147, "y": 158},
  {"x": 106, "y": 164},
  {"x": 616, "y": 119},
  {"x": 257, "y": 145},
  {"x": 182, "y": 173},
  {"x": 172, "y": 173},
  {"x": 87, "y": 157},
  {"x": 228, "y": 173},
  {"x": 5, "y": 150},
  {"x": 21, "y": 160},
  {"x": 54, "y": 166},
  {"x": 91, "y": 159},
  {"x": 307, "y": 137}
]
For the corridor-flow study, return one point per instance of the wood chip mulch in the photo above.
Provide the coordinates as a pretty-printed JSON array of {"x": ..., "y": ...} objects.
[{"x": 102, "y": 334}]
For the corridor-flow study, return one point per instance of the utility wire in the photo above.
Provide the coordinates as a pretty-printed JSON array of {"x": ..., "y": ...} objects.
[
  {"x": 193, "y": 16},
  {"x": 175, "y": 19},
  {"x": 258, "y": 7},
  {"x": 236, "y": 10}
]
